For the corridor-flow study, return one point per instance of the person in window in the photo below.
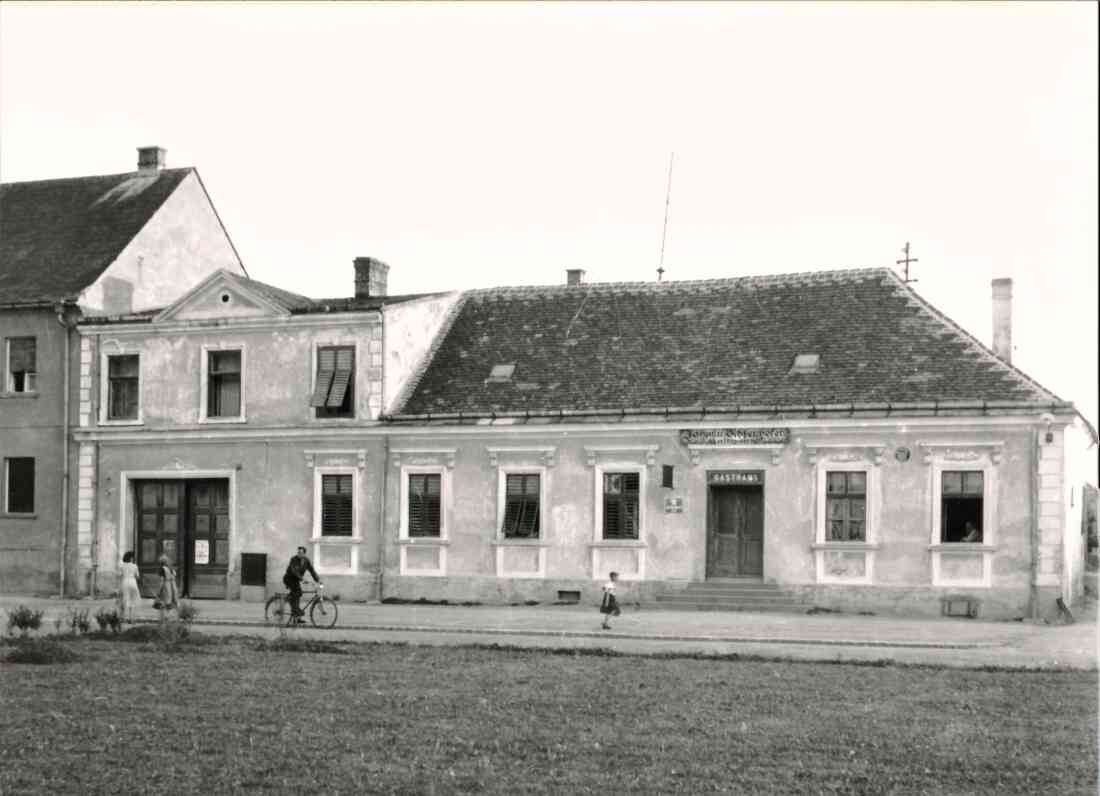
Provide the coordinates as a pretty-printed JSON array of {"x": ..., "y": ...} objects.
[
  {"x": 972, "y": 534},
  {"x": 610, "y": 605},
  {"x": 296, "y": 570},
  {"x": 129, "y": 593}
]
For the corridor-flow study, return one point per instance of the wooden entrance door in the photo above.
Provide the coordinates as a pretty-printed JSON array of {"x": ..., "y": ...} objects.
[
  {"x": 188, "y": 521},
  {"x": 207, "y": 532},
  {"x": 735, "y": 531},
  {"x": 158, "y": 513}
]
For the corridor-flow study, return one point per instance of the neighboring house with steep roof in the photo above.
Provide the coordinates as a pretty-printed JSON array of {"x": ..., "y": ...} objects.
[
  {"x": 242, "y": 421},
  {"x": 822, "y": 439},
  {"x": 112, "y": 244}
]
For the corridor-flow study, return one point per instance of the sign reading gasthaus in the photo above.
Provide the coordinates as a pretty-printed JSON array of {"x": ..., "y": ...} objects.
[{"x": 735, "y": 436}]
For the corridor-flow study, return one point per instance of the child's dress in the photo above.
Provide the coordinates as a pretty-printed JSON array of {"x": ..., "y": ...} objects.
[{"x": 609, "y": 605}]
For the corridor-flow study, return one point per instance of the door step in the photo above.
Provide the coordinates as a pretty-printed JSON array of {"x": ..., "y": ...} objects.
[{"x": 732, "y": 594}]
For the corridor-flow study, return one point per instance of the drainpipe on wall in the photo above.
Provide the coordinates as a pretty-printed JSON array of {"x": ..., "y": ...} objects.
[
  {"x": 64, "y": 551},
  {"x": 1036, "y": 453},
  {"x": 382, "y": 515}
]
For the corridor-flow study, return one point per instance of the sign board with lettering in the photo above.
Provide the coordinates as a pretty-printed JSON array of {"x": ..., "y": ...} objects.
[
  {"x": 674, "y": 505},
  {"x": 202, "y": 551},
  {"x": 735, "y": 436},
  {"x": 722, "y": 477}
]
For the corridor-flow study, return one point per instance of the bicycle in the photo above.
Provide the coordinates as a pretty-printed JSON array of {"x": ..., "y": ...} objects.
[{"x": 321, "y": 609}]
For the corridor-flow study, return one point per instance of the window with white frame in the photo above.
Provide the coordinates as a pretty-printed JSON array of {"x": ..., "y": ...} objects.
[
  {"x": 123, "y": 387},
  {"x": 337, "y": 504},
  {"x": 522, "y": 509},
  {"x": 425, "y": 505},
  {"x": 962, "y": 504},
  {"x": 18, "y": 495},
  {"x": 334, "y": 383},
  {"x": 22, "y": 367},
  {"x": 846, "y": 506},
  {"x": 223, "y": 396},
  {"x": 621, "y": 507}
]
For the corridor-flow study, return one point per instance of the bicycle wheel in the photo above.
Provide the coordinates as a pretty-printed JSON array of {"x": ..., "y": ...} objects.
[
  {"x": 277, "y": 611},
  {"x": 322, "y": 611}
]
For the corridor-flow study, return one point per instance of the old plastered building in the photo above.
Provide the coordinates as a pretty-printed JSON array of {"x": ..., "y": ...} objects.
[
  {"x": 825, "y": 439},
  {"x": 821, "y": 439},
  {"x": 118, "y": 243},
  {"x": 248, "y": 423}
]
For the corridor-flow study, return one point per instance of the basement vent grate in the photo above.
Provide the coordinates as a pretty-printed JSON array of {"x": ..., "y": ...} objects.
[
  {"x": 960, "y": 607},
  {"x": 569, "y": 596}
]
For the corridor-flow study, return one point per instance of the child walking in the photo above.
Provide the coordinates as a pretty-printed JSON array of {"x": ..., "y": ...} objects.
[{"x": 609, "y": 607}]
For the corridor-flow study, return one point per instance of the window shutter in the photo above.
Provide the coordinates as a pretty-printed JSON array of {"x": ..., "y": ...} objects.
[
  {"x": 336, "y": 505},
  {"x": 21, "y": 351},
  {"x": 20, "y": 485},
  {"x": 326, "y": 366},
  {"x": 345, "y": 361}
]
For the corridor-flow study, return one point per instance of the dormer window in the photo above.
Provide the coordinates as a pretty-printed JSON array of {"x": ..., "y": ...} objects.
[
  {"x": 501, "y": 373},
  {"x": 806, "y": 363}
]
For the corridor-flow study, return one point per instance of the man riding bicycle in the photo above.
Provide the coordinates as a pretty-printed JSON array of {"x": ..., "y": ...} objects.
[{"x": 296, "y": 570}]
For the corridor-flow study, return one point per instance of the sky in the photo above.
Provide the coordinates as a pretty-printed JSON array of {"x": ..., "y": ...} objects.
[{"x": 471, "y": 145}]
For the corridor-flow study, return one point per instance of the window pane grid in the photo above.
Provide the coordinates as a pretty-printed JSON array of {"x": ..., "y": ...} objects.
[
  {"x": 846, "y": 506},
  {"x": 122, "y": 387},
  {"x": 424, "y": 505},
  {"x": 962, "y": 506},
  {"x": 336, "y": 505}
]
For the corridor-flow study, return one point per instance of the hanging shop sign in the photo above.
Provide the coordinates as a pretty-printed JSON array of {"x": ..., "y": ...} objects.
[{"x": 735, "y": 436}]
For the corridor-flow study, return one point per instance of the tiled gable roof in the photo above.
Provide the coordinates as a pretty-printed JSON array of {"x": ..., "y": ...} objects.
[
  {"x": 58, "y": 236},
  {"x": 713, "y": 343}
]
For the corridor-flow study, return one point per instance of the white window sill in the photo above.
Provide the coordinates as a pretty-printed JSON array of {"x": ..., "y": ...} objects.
[
  {"x": 337, "y": 539},
  {"x": 428, "y": 541},
  {"x": 221, "y": 420},
  {"x": 19, "y": 394},
  {"x": 845, "y": 546},
  {"x": 618, "y": 543},
  {"x": 962, "y": 547},
  {"x": 520, "y": 543},
  {"x": 120, "y": 422},
  {"x": 15, "y": 515}
]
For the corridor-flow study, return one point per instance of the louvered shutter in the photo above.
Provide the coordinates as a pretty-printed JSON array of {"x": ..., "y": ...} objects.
[
  {"x": 424, "y": 505},
  {"x": 336, "y": 505},
  {"x": 345, "y": 361},
  {"x": 326, "y": 366}
]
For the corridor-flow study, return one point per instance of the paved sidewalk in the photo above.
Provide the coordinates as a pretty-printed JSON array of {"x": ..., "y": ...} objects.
[{"x": 950, "y": 642}]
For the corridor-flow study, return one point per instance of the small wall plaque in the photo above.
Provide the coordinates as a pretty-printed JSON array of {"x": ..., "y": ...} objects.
[
  {"x": 902, "y": 454},
  {"x": 674, "y": 505}
]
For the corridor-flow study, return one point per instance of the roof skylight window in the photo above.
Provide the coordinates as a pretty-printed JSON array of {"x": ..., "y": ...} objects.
[
  {"x": 501, "y": 373},
  {"x": 806, "y": 363}
]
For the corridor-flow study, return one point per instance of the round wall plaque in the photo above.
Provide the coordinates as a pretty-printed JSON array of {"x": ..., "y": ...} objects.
[{"x": 902, "y": 454}]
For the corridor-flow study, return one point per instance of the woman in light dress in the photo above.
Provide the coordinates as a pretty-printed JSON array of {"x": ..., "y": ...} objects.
[{"x": 129, "y": 592}]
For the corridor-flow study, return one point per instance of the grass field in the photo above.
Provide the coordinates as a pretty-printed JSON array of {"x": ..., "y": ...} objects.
[{"x": 239, "y": 715}]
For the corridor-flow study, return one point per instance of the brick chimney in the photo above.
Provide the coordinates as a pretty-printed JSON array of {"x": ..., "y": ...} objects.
[
  {"x": 574, "y": 276},
  {"x": 151, "y": 159},
  {"x": 370, "y": 277},
  {"x": 1002, "y": 319}
]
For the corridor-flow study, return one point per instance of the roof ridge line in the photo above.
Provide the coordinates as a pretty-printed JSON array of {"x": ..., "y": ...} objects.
[
  {"x": 101, "y": 176},
  {"x": 815, "y": 276},
  {"x": 977, "y": 345}
]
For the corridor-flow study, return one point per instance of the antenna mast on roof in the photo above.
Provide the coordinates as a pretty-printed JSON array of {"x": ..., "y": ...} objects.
[
  {"x": 664, "y": 230},
  {"x": 906, "y": 261}
]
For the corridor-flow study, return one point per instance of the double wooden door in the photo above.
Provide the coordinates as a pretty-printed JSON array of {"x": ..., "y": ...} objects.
[
  {"x": 188, "y": 521},
  {"x": 735, "y": 531}
]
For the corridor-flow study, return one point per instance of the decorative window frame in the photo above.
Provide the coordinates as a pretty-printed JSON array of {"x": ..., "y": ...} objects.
[
  {"x": 417, "y": 466},
  {"x": 838, "y": 457},
  {"x": 340, "y": 342},
  {"x": 502, "y": 544},
  {"x": 204, "y": 382},
  {"x": 619, "y": 459},
  {"x": 974, "y": 456},
  {"x": 318, "y": 540},
  {"x": 119, "y": 350}
]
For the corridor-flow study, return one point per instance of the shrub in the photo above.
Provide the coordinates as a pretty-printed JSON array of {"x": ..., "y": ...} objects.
[
  {"x": 24, "y": 619},
  {"x": 108, "y": 618},
  {"x": 187, "y": 612},
  {"x": 78, "y": 621},
  {"x": 40, "y": 650}
]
